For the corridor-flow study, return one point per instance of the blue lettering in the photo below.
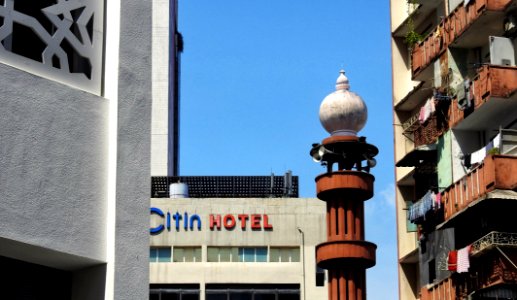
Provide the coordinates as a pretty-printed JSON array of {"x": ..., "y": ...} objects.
[
  {"x": 177, "y": 219},
  {"x": 160, "y": 227},
  {"x": 193, "y": 218}
]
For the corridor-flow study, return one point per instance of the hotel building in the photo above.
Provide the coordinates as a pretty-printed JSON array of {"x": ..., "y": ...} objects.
[{"x": 236, "y": 237}]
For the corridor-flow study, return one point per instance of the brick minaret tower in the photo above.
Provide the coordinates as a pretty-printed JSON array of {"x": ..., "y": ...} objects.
[{"x": 344, "y": 187}]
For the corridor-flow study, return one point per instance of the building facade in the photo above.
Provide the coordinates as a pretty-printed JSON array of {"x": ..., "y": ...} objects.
[
  {"x": 166, "y": 50},
  {"x": 455, "y": 121},
  {"x": 234, "y": 237},
  {"x": 75, "y": 116},
  {"x": 236, "y": 248}
]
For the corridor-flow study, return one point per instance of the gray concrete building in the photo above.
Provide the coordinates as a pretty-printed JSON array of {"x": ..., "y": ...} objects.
[{"x": 75, "y": 123}]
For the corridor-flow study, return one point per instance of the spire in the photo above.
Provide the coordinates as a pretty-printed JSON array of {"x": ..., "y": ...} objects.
[{"x": 342, "y": 81}]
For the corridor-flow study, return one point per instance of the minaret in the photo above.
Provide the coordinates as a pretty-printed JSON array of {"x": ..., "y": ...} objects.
[{"x": 345, "y": 254}]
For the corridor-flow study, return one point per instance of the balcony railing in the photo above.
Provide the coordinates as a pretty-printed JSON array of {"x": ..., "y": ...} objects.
[
  {"x": 490, "y": 270},
  {"x": 491, "y": 81},
  {"x": 496, "y": 172},
  {"x": 425, "y": 52},
  {"x": 444, "y": 290},
  {"x": 484, "y": 272},
  {"x": 450, "y": 30},
  {"x": 438, "y": 123},
  {"x": 492, "y": 239}
]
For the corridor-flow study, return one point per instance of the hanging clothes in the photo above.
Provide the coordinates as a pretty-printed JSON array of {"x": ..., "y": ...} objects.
[
  {"x": 420, "y": 208},
  {"x": 463, "y": 260},
  {"x": 421, "y": 115},
  {"x": 478, "y": 156},
  {"x": 452, "y": 261}
]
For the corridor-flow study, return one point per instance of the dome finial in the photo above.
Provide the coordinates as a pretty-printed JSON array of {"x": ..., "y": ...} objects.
[
  {"x": 342, "y": 81},
  {"x": 343, "y": 112}
]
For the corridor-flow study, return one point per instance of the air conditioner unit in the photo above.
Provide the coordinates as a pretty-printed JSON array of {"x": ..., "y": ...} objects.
[{"x": 501, "y": 51}]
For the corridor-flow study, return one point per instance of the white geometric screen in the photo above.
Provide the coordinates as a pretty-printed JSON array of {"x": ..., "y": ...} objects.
[{"x": 56, "y": 39}]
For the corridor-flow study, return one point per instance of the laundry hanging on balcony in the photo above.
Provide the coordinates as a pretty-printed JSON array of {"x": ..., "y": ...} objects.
[
  {"x": 465, "y": 94},
  {"x": 459, "y": 260},
  {"x": 427, "y": 110},
  {"x": 452, "y": 261},
  {"x": 463, "y": 260},
  {"x": 478, "y": 156},
  {"x": 427, "y": 203}
]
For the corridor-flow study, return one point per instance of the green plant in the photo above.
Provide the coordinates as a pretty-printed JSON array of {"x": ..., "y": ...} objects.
[
  {"x": 412, "y": 37},
  {"x": 494, "y": 150}
]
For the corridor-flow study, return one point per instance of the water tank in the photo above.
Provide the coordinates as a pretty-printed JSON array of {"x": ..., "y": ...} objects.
[{"x": 178, "y": 190}]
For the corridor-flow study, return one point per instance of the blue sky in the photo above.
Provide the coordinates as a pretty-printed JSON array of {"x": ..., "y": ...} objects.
[{"x": 253, "y": 76}]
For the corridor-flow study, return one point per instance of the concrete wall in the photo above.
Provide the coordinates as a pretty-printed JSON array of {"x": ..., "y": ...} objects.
[
  {"x": 133, "y": 151},
  {"x": 160, "y": 89},
  {"x": 285, "y": 215},
  {"x": 52, "y": 167},
  {"x": 74, "y": 167}
]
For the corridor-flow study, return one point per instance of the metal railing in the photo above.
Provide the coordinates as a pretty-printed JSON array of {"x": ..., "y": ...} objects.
[{"x": 494, "y": 238}]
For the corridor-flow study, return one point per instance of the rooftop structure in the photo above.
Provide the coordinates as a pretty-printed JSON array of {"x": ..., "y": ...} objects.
[{"x": 228, "y": 186}]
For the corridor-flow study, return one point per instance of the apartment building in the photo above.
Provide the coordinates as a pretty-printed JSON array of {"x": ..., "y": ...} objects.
[{"x": 455, "y": 122}]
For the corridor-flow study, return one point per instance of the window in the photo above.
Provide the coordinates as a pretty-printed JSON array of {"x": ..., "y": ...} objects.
[
  {"x": 250, "y": 254},
  {"x": 160, "y": 254},
  {"x": 174, "y": 292},
  {"x": 237, "y": 254},
  {"x": 223, "y": 254},
  {"x": 187, "y": 254},
  {"x": 284, "y": 254},
  {"x": 320, "y": 276}
]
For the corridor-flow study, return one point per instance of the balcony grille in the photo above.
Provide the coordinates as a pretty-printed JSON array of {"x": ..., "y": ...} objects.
[{"x": 492, "y": 239}]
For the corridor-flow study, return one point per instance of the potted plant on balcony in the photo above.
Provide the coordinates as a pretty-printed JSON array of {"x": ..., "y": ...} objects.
[{"x": 412, "y": 37}]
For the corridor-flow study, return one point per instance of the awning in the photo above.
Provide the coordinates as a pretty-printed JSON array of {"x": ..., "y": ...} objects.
[{"x": 420, "y": 155}]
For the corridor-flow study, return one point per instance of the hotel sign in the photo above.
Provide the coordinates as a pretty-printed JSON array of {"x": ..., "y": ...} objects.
[{"x": 166, "y": 221}]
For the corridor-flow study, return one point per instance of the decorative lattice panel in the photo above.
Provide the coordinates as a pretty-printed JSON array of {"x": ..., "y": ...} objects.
[{"x": 56, "y": 39}]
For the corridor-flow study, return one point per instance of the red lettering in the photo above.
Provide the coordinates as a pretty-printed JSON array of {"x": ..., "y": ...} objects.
[
  {"x": 255, "y": 222},
  {"x": 231, "y": 223},
  {"x": 215, "y": 221},
  {"x": 243, "y": 219},
  {"x": 267, "y": 226}
]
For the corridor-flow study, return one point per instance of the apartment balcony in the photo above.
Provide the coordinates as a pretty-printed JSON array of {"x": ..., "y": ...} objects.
[
  {"x": 426, "y": 52},
  {"x": 429, "y": 131},
  {"x": 494, "y": 103},
  {"x": 470, "y": 26},
  {"x": 492, "y": 270},
  {"x": 445, "y": 290},
  {"x": 491, "y": 274},
  {"x": 466, "y": 27},
  {"x": 494, "y": 99},
  {"x": 495, "y": 172},
  {"x": 493, "y": 240}
]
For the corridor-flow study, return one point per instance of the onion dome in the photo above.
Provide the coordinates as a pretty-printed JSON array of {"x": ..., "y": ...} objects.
[{"x": 343, "y": 112}]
